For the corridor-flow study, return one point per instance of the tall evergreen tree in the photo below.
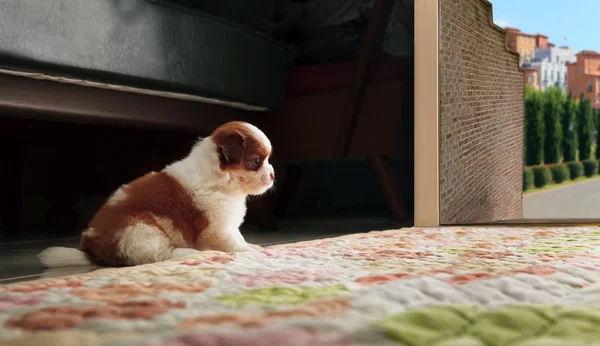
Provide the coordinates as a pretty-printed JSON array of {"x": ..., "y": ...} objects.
[
  {"x": 528, "y": 95},
  {"x": 584, "y": 128},
  {"x": 593, "y": 119},
  {"x": 553, "y": 133},
  {"x": 569, "y": 142},
  {"x": 596, "y": 116},
  {"x": 534, "y": 130}
]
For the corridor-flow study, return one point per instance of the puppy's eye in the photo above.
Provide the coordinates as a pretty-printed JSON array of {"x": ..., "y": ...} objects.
[{"x": 257, "y": 162}]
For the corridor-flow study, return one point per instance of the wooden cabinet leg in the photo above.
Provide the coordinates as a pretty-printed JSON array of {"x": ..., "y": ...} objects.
[{"x": 389, "y": 185}]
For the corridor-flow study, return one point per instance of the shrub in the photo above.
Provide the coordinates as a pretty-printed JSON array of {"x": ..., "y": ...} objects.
[
  {"x": 560, "y": 173},
  {"x": 541, "y": 176},
  {"x": 575, "y": 170},
  {"x": 590, "y": 168},
  {"x": 527, "y": 179}
]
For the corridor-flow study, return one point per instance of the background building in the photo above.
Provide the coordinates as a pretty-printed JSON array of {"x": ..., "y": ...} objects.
[
  {"x": 550, "y": 64},
  {"x": 525, "y": 44},
  {"x": 531, "y": 74},
  {"x": 584, "y": 76}
]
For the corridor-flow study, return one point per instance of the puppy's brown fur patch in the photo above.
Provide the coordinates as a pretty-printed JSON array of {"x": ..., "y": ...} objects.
[{"x": 154, "y": 195}]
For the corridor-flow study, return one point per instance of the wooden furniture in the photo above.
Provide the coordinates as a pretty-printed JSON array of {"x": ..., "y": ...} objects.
[
  {"x": 333, "y": 111},
  {"x": 51, "y": 114},
  {"x": 345, "y": 110}
]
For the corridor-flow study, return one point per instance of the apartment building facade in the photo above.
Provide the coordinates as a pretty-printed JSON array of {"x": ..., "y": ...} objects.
[
  {"x": 584, "y": 76},
  {"x": 551, "y": 66},
  {"x": 525, "y": 44},
  {"x": 531, "y": 74}
]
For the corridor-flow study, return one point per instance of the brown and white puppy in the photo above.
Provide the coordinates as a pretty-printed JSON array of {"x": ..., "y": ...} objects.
[{"x": 194, "y": 204}]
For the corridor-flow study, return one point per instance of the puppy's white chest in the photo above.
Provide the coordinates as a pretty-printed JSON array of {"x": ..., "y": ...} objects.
[
  {"x": 226, "y": 213},
  {"x": 237, "y": 213}
]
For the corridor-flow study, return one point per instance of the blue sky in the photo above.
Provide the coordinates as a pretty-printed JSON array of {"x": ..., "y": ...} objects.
[{"x": 579, "y": 22}]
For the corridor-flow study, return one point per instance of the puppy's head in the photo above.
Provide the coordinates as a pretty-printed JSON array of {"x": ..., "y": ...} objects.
[{"x": 244, "y": 153}]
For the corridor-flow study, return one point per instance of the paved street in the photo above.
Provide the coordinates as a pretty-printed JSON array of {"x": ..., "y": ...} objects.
[{"x": 580, "y": 200}]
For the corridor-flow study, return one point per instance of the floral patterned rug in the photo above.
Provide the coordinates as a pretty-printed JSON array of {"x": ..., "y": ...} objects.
[{"x": 430, "y": 286}]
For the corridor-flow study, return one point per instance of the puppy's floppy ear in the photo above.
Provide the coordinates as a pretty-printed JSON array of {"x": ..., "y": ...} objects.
[{"x": 231, "y": 149}]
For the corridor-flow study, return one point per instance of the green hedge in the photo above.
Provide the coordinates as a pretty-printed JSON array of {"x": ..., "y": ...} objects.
[
  {"x": 590, "y": 168},
  {"x": 541, "y": 176},
  {"x": 527, "y": 179},
  {"x": 575, "y": 170},
  {"x": 560, "y": 173},
  {"x": 558, "y": 126}
]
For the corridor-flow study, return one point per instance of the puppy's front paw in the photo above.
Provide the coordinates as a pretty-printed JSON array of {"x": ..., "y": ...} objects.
[
  {"x": 249, "y": 248},
  {"x": 257, "y": 248}
]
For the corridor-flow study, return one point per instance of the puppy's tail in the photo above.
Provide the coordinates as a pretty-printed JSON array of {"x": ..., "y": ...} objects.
[{"x": 54, "y": 257}]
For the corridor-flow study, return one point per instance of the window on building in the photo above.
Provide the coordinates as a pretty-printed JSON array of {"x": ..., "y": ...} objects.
[
  {"x": 552, "y": 76},
  {"x": 529, "y": 79},
  {"x": 580, "y": 71},
  {"x": 557, "y": 59},
  {"x": 590, "y": 87},
  {"x": 521, "y": 51}
]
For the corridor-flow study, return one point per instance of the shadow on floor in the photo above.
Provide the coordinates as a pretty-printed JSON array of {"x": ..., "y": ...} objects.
[{"x": 19, "y": 262}]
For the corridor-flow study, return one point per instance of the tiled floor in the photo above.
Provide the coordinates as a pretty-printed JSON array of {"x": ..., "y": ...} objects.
[{"x": 18, "y": 259}]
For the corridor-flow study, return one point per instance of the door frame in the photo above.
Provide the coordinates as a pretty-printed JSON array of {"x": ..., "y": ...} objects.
[{"x": 427, "y": 107}]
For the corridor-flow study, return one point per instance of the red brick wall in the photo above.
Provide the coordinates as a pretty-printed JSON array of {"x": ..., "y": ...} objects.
[{"x": 481, "y": 117}]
